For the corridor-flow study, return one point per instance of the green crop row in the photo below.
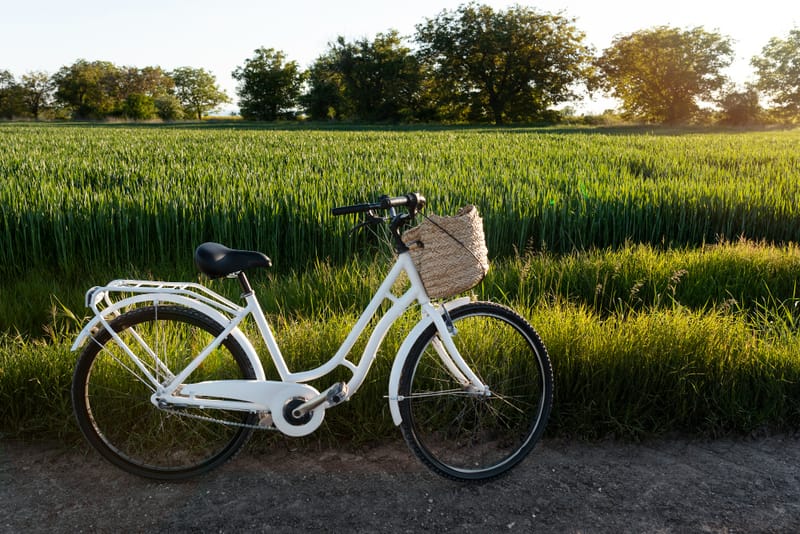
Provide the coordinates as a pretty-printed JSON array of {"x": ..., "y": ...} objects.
[{"x": 73, "y": 197}]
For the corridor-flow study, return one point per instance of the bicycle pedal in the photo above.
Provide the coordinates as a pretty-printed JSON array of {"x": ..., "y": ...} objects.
[{"x": 336, "y": 394}]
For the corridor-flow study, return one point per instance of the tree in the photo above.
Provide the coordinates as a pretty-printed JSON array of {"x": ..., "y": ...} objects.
[
  {"x": 269, "y": 86},
  {"x": 740, "y": 108},
  {"x": 90, "y": 89},
  {"x": 661, "y": 73},
  {"x": 505, "y": 65},
  {"x": 150, "y": 82},
  {"x": 197, "y": 91},
  {"x": 11, "y": 104},
  {"x": 376, "y": 80},
  {"x": 324, "y": 98},
  {"x": 168, "y": 107},
  {"x": 778, "y": 71},
  {"x": 139, "y": 89},
  {"x": 6, "y": 79},
  {"x": 37, "y": 92},
  {"x": 139, "y": 107},
  {"x": 380, "y": 78}
]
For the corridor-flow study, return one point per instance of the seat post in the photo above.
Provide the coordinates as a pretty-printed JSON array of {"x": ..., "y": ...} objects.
[{"x": 247, "y": 289}]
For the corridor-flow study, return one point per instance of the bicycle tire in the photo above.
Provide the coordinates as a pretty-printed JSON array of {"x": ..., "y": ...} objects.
[
  {"x": 111, "y": 398},
  {"x": 468, "y": 436}
]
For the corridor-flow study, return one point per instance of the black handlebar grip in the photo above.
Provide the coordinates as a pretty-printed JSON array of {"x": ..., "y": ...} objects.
[{"x": 356, "y": 208}]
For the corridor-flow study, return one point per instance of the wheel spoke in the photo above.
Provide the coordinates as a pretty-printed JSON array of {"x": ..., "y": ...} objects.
[
  {"x": 136, "y": 373},
  {"x": 445, "y": 392}
]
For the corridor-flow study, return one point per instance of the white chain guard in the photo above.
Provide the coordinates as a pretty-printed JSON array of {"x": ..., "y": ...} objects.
[{"x": 267, "y": 395}]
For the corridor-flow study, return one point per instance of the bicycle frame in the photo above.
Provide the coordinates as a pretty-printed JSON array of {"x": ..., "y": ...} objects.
[{"x": 263, "y": 395}]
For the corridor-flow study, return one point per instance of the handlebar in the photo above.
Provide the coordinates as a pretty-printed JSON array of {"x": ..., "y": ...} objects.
[{"x": 413, "y": 201}]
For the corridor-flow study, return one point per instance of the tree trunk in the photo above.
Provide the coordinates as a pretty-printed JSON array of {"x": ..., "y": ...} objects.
[{"x": 497, "y": 108}]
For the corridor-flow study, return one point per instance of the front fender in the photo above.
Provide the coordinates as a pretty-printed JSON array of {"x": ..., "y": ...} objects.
[
  {"x": 402, "y": 354},
  {"x": 216, "y": 316}
]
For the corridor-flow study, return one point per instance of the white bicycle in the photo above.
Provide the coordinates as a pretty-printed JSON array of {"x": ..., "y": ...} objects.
[{"x": 168, "y": 386}]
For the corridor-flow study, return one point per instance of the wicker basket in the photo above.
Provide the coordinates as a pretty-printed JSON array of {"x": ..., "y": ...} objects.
[{"x": 449, "y": 252}]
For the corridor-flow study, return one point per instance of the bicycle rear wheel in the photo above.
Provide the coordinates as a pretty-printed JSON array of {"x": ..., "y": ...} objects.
[
  {"x": 465, "y": 435},
  {"x": 111, "y": 396}
]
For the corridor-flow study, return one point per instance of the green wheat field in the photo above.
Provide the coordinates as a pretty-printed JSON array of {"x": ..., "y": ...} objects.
[{"x": 659, "y": 266}]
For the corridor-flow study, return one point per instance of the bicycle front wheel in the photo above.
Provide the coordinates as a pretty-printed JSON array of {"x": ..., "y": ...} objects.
[
  {"x": 111, "y": 396},
  {"x": 465, "y": 435}
]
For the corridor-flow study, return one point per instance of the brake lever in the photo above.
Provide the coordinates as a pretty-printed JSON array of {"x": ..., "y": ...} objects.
[{"x": 371, "y": 218}]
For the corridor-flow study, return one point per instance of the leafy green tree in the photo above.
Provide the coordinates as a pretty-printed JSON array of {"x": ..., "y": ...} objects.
[
  {"x": 376, "y": 80},
  {"x": 324, "y": 98},
  {"x": 197, "y": 91},
  {"x": 37, "y": 92},
  {"x": 740, "y": 108},
  {"x": 380, "y": 78},
  {"x": 6, "y": 79},
  {"x": 168, "y": 107},
  {"x": 140, "y": 88},
  {"x": 139, "y": 107},
  {"x": 661, "y": 74},
  {"x": 778, "y": 71},
  {"x": 269, "y": 85},
  {"x": 90, "y": 89},
  {"x": 502, "y": 65},
  {"x": 148, "y": 81},
  {"x": 11, "y": 104}
]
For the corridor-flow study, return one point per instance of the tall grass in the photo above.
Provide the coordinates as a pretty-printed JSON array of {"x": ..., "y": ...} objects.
[
  {"x": 670, "y": 370},
  {"x": 73, "y": 196},
  {"x": 634, "y": 375},
  {"x": 643, "y": 341},
  {"x": 35, "y": 378},
  {"x": 742, "y": 274}
]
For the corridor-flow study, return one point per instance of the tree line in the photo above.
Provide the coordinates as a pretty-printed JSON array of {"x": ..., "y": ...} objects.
[
  {"x": 101, "y": 90},
  {"x": 471, "y": 64}
]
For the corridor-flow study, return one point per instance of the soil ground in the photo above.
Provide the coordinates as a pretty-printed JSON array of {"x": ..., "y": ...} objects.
[{"x": 670, "y": 485}]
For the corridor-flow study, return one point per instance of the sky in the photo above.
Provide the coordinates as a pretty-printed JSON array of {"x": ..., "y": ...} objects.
[{"x": 46, "y": 35}]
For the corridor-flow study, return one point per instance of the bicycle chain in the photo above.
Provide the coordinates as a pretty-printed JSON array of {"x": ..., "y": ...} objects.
[{"x": 213, "y": 420}]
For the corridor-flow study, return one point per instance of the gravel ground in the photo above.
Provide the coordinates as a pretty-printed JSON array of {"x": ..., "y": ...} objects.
[{"x": 674, "y": 485}]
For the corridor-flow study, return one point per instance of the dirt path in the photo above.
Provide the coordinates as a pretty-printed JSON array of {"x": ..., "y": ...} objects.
[{"x": 663, "y": 486}]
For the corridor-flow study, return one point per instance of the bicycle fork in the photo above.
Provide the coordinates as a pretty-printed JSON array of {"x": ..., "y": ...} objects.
[{"x": 451, "y": 357}]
